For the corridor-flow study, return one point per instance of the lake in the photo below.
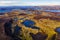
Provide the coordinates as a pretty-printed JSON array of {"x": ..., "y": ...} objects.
[{"x": 52, "y": 10}]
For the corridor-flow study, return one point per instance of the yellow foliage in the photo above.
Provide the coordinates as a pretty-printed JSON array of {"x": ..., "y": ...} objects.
[{"x": 46, "y": 26}]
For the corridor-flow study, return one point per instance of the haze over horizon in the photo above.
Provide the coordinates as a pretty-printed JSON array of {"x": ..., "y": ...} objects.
[{"x": 29, "y": 2}]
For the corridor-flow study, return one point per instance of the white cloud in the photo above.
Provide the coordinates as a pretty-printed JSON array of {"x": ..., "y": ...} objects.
[
  {"x": 8, "y": 3},
  {"x": 19, "y": 3},
  {"x": 38, "y": 3}
]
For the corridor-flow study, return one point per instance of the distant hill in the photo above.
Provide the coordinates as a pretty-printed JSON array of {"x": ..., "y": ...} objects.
[{"x": 47, "y": 8}]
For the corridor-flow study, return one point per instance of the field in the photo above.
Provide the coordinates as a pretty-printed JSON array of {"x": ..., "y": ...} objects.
[{"x": 45, "y": 22}]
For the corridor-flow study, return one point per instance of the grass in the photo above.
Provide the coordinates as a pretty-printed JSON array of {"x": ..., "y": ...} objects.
[{"x": 47, "y": 26}]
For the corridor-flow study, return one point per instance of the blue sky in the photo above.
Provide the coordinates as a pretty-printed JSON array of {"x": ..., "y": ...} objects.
[{"x": 28, "y": 2}]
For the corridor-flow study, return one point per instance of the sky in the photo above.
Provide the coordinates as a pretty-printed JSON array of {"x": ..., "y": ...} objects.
[{"x": 28, "y": 2}]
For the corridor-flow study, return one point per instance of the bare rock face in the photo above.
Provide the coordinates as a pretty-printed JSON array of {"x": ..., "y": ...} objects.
[
  {"x": 2, "y": 33},
  {"x": 58, "y": 37},
  {"x": 38, "y": 36}
]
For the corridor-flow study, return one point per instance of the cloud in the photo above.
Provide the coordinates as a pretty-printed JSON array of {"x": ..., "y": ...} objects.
[
  {"x": 9, "y": 0},
  {"x": 39, "y": 3},
  {"x": 8, "y": 3},
  {"x": 28, "y": 3}
]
